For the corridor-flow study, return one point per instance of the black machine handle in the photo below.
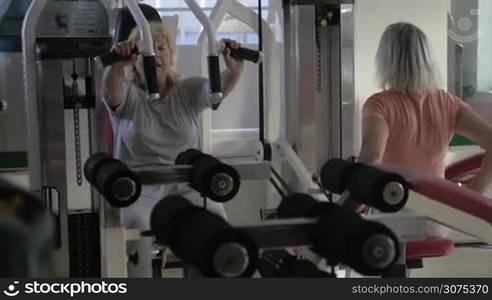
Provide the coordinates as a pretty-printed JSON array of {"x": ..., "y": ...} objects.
[
  {"x": 151, "y": 76},
  {"x": 113, "y": 57},
  {"x": 214, "y": 74},
  {"x": 110, "y": 58},
  {"x": 250, "y": 55}
]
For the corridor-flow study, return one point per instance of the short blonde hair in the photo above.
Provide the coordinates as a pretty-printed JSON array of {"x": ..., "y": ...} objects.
[
  {"x": 404, "y": 60},
  {"x": 158, "y": 30}
]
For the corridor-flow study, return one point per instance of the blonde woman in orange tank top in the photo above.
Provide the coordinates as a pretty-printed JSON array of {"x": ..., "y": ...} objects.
[{"x": 411, "y": 122}]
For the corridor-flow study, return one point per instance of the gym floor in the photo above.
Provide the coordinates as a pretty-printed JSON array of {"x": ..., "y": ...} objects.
[{"x": 463, "y": 262}]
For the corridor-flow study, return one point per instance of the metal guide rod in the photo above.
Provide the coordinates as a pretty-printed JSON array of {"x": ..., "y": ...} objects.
[
  {"x": 463, "y": 221},
  {"x": 150, "y": 175},
  {"x": 261, "y": 101},
  {"x": 30, "y": 93},
  {"x": 283, "y": 233}
]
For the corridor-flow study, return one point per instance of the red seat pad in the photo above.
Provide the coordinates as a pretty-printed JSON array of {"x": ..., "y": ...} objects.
[
  {"x": 433, "y": 247},
  {"x": 469, "y": 165},
  {"x": 446, "y": 192}
]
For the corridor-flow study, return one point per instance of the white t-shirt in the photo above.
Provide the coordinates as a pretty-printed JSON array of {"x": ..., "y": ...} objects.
[{"x": 154, "y": 132}]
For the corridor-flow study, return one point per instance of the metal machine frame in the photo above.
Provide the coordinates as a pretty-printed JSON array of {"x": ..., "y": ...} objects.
[
  {"x": 320, "y": 105},
  {"x": 51, "y": 161}
]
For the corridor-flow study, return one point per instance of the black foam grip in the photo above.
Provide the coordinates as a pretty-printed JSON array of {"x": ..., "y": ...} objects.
[
  {"x": 167, "y": 212},
  {"x": 335, "y": 224},
  {"x": 108, "y": 171},
  {"x": 342, "y": 233},
  {"x": 214, "y": 74},
  {"x": 199, "y": 237},
  {"x": 105, "y": 170},
  {"x": 195, "y": 234},
  {"x": 366, "y": 185},
  {"x": 150, "y": 74},
  {"x": 358, "y": 239},
  {"x": 188, "y": 157},
  {"x": 205, "y": 167},
  {"x": 113, "y": 57},
  {"x": 334, "y": 175},
  {"x": 92, "y": 164},
  {"x": 298, "y": 206},
  {"x": 245, "y": 54}
]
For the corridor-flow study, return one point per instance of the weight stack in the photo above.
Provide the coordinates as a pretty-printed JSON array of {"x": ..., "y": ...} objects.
[{"x": 85, "y": 245}]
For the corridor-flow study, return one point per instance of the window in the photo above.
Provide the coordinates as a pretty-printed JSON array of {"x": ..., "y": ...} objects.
[{"x": 189, "y": 28}]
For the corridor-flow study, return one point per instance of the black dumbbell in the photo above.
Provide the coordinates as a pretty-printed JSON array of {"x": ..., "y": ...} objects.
[
  {"x": 203, "y": 239},
  {"x": 209, "y": 176},
  {"x": 113, "y": 179}
]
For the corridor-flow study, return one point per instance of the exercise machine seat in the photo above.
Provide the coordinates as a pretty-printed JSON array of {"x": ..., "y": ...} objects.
[
  {"x": 447, "y": 193},
  {"x": 462, "y": 171}
]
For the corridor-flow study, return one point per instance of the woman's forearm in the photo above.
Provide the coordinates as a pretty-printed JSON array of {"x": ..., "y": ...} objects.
[
  {"x": 484, "y": 177},
  {"x": 229, "y": 80},
  {"x": 113, "y": 78}
]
